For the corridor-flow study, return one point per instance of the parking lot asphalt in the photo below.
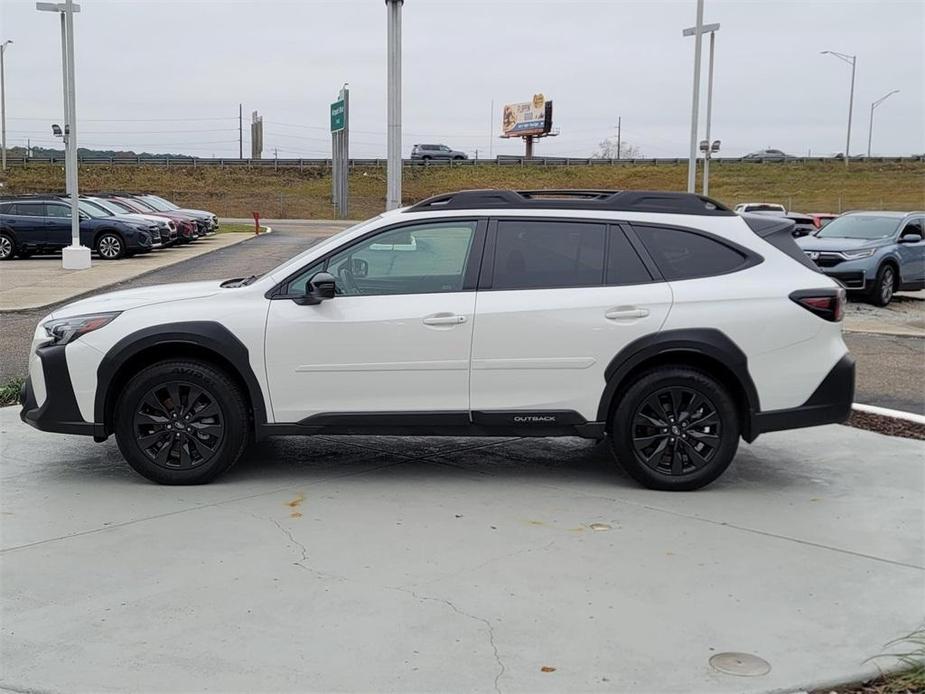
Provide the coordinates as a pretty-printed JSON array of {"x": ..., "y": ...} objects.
[
  {"x": 423, "y": 564},
  {"x": 891, "y": 369}
]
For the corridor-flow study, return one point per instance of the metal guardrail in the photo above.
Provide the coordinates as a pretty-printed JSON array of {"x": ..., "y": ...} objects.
[{"x": 381, "y": 163}]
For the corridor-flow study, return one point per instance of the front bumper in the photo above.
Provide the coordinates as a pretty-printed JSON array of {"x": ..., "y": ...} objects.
[
  {"x": 59, "y": 412},
  {"x": 830, "y": 403},
  {"x": 855, "y": 275}
]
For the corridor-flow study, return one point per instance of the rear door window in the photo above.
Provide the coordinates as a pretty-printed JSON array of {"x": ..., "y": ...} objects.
[
  {"x": 29, "y": 209},
  {"x": 544, "y": 254},
  {"x": 682, "y": 255}
]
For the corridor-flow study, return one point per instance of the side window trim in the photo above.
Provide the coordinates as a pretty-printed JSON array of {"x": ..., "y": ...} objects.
[
  {"x": 751, "y": 258},
  {"x": 641, "y": 250},
  {"x": 475, "y": 255}
]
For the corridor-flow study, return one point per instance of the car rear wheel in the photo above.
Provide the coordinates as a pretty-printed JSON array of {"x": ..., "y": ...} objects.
[
  {"x": 675, "y": 429},
  {"x": 181, "y": 422},
  {"x": 882, "y": 292},
  {"x": 109, "y": 246},
  {"x": 7, "y": 247}
]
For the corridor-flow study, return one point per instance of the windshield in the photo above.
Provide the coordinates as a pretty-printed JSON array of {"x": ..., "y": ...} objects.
[
  {"x": 859, "y": 226},
  {"x": 91, "y": 210},
  {"x": 142, "y": 205},
  {"x": 156, "y": 203},
  {"x": 160, "y": 203},
  {"x": 119, "y": 207},
  {"x": 106, "y": 205}
]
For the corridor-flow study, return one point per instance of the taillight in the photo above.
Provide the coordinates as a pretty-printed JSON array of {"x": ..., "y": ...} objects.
[{"x": 825, "y": 303}]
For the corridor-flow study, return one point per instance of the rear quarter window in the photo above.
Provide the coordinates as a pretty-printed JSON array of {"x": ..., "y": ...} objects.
[{"x": 682, "y": 255}]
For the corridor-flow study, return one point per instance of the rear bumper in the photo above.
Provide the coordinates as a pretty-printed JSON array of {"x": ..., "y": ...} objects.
[
  {"x": 830, "y": 403},
  {"x": 59, "y": 412}
]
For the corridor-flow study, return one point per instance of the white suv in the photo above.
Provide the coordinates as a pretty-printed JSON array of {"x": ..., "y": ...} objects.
[{"x": 663, "y": 321}]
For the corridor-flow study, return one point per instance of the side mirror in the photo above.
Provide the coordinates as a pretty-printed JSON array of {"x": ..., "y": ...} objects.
[
  {"x": 320, "y": 287},
  {"x": 910, "y": 238}
]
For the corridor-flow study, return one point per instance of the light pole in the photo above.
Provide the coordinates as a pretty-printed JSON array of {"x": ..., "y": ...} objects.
[
  {"x": 691, "y": 31},
  {"x": 75, "y": 256},
  {"x": 870, "y": 131},
  {"x": 3, "y": 106},
  {"x": 852, "y": 61},
  {"x": 695, "y": 101},
  {"x": 393, "y": 147}
]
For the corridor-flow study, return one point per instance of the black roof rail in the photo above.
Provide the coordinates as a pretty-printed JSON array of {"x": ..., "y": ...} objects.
[{"x": 609, "y": 200}]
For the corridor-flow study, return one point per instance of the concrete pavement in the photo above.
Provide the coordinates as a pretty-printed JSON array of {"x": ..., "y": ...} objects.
[
  {"x": 40, "y": 281},
  {"x": 422, "y": 564}
]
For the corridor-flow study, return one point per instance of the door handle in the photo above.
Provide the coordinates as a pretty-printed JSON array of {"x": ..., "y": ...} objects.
[
  {"x": 444, "y": 319},
  {"x": 626, "y": 312}
]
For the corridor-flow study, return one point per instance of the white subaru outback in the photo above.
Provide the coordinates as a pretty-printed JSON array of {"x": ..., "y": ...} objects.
[{"x": 663, "y": 321}]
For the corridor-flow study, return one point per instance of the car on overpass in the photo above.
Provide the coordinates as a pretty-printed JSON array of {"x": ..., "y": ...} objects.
[{"x": 437, "y": 152}]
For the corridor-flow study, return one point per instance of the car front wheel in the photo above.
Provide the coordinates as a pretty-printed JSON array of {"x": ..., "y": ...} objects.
[
  {"x": 675, "y": 429},
  {"x": 7, "y": 247},
  {"x": 882, "y": 292},
  {"x": 181, "y": 422},
  {"x": 110, "y": 246}
]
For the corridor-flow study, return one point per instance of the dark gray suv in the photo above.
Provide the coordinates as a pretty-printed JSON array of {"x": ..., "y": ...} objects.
[{"x": 428, "y": 152}]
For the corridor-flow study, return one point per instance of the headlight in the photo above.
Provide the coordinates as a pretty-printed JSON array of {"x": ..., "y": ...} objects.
[
  {"x": 65, "y": 330},
  {"x": 856, "y": 255}
]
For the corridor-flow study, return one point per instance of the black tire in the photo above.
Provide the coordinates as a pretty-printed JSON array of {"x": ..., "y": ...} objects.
[
  {"x": 881, "y": 293},
  {"x": 157, "y": 409},
  {"x": 676, "y": 456},
  {"x": 426, "y": 158},
  {"x": 7, "y": 247},
  {"x": 110, "y": 246}
]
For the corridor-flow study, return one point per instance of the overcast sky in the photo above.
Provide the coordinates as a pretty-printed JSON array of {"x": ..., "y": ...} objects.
[{"x": 168, "y": 76}]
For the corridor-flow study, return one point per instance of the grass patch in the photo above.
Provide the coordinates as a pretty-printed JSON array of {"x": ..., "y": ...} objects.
[
  {"x": 292, "y": 193},
  {"x": 9, "y": 392},
  {"x": 237, "y": 228}
]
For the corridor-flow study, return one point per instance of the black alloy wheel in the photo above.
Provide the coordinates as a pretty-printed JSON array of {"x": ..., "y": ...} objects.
[
  {"x": 676, "y": 431},
  {"x": 179, "y": 425}
]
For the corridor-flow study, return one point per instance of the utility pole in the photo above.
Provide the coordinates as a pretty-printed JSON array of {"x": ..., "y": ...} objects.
[
  {"x": 851, "y": 60},
  {"x": 491, "y": 131},
  {"x": 256, "y": 136},
  {"x": 619, "y": 134},
  {"x": 706, "y": 155},
  {"x": 870, "y": 131},
  {"x": 393, "y": 155},
  {"x": 240, "y": 131},
  {"x": 695, "y": 101},
  {"x": 3, "y": 106}
]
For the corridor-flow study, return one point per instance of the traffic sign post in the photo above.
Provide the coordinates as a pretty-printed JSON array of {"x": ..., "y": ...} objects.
[{"x": 340, "y": 152}]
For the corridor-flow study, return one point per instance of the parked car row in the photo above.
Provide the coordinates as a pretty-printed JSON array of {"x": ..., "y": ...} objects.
[
  {"x": 114, "y": 225},
  {"x": 804, "y": 224}
]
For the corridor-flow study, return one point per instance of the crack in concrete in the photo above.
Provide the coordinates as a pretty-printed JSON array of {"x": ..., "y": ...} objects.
[
  {"x": 303, "y": 550},
  {"x": 457, "y": 610}
]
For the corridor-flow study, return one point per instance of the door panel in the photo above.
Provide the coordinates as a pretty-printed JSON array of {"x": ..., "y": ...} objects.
[
  {"x": 27, "y": 220},
  {"x": 369, "y": 354},
  {"x": 547, "y": 349},
  {"x": 912, "y": 254},
  {"x": 58, "y": 222},
  {"x": 397, "y": 335}
]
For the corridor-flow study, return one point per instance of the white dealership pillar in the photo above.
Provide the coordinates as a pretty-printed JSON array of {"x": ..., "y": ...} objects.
[{"x": 393, "y": 156}]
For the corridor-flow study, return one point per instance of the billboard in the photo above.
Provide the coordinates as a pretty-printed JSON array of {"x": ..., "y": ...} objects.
[{"x": 527, "y": 118}]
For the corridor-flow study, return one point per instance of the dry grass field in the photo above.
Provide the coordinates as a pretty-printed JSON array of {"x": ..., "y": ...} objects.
[{"x": 290, "y": 193}]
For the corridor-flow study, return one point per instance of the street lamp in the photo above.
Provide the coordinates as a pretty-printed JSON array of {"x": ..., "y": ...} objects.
[
  {"x": 75, "y": 256},
  {"x": 693, "y": 31},
  {"x": 870, "y": 131},
  {"x": 852, "y": 61},
  {"x": 393, "y": 146},
  {"x": 3, "y": 106},
  {"x": 695, "y": 101}
]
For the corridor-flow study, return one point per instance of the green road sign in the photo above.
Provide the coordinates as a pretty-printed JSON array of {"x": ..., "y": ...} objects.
[{"x": 338, "y": 116}]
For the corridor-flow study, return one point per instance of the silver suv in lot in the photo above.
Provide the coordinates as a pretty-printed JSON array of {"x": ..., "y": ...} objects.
[
  {"x": 428, "y": 152},
  {"x": 873, "y": 254}
]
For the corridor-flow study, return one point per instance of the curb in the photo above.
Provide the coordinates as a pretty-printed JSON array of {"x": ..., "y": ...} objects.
[
  {"x": 89, "y": 292},
  {"x": 887, "y": 412},
  {"x": 890, "y": 333}
]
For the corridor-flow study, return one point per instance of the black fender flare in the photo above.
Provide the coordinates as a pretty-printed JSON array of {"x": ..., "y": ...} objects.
[
  {"x": 208, "y": 335},
  {"x": 703, "y": 342}
]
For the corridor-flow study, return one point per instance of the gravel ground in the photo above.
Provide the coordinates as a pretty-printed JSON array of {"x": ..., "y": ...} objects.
[
  {"x": 887, "y": 425},
  {"x": 906, "y": 313}
]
